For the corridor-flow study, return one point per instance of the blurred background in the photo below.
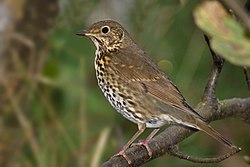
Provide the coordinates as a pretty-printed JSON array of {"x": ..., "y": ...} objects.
[{"x": 52, "y": 112}]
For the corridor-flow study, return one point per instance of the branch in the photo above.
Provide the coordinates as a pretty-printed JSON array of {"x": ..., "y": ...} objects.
[
  {"x": 218, "y": 62},
  {"x": 164, "y": 142},
  {"x": 175, "y": 152},
  {"x": 247, "y": 77}
]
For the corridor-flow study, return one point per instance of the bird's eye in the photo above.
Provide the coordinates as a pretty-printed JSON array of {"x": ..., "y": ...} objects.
[{"x": 105, "y": 29}]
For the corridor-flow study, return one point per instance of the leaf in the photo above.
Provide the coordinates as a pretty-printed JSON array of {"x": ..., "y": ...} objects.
[{"x": 227, "y": 35}]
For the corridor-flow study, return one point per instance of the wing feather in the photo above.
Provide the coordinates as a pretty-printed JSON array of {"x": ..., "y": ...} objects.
[{"x": 144, "y": 75}]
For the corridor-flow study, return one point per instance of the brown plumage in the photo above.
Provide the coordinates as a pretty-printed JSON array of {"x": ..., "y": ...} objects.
[{"x": 136, "y": 87}]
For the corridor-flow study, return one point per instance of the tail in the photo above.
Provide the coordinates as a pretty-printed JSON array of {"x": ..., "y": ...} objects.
[{"x": 216, "y": 135}]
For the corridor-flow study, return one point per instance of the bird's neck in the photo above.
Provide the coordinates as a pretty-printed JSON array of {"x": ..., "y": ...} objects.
[{"x": 102, "y": 58}]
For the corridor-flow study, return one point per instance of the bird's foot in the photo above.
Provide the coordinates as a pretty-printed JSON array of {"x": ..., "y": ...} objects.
[
  {"x": 123, "y": 154},
  {"x": 145, "y": 144}
]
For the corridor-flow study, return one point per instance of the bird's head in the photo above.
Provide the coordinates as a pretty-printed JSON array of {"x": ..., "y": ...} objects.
[{"x": 107, "y": 34}]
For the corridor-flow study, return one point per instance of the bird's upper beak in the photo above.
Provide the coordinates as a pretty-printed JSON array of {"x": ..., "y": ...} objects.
[{"x": 83, "y": 33}]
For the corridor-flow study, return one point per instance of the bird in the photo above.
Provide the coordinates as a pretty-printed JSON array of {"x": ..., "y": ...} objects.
[{"x": 137, "y": 88}]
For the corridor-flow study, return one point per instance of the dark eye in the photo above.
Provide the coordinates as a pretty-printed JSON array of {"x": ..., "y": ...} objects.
[{"x": 105, "y": 29}]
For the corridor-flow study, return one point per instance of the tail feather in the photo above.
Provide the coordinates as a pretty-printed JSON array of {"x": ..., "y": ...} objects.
[{"x": 216, "y": 135}]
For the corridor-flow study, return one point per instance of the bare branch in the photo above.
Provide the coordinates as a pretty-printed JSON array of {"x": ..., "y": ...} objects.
[
  {"x": 218, "y": 62},
  {"x": 175, "y": 152},
  {"x": 163, "y": 143},
  {"x": 247, "y": 76}
]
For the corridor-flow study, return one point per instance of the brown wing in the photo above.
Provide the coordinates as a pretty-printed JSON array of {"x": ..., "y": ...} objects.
[{"x": 141, "y": 72}]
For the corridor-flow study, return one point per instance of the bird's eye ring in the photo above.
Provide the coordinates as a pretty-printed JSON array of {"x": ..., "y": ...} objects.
[{"x": 105, "y": 29}]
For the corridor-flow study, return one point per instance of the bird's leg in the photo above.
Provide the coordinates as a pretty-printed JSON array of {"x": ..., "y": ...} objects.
[
  {"x": 145, "y": 142},
  {"x": 141, "y": 129}
]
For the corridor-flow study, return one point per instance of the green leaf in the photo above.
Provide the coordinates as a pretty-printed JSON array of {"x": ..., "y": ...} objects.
[{"x": 227, "y": 35}]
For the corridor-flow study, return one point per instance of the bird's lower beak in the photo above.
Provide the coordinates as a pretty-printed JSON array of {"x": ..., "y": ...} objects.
[{"x": 83, "y": 33}]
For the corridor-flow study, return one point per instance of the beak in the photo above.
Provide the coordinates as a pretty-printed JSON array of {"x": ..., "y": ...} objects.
[{"x": 83, "y": 33}]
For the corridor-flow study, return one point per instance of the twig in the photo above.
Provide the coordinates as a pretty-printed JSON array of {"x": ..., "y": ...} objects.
[
  {"x": 247, "y": 6},
  {"x": 162, "y": 143},
  {"x": 218, "y": 62},
  {"x": 247, "y": 76},
  {"x": 175, "y": 152}
]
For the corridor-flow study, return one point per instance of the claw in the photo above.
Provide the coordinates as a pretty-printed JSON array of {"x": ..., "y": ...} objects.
[
  {"x": 123, "y": 154},
  {"x": 145, "y": 144},
  {"x": 146, "y": 141},
  {"x": 141, "y": 128}
]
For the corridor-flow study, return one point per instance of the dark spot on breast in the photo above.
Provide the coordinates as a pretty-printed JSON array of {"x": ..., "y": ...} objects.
[
  {"x": 99, "y": 64},
  {"x": 145, "y": 88},
  {"x": 129, "y": 97},
  {"x": 131, "y": 103},
  {"x": 129, "y": 111},
  {"x": 122, "y": 95},
  {"x": 137, "y": 117}
]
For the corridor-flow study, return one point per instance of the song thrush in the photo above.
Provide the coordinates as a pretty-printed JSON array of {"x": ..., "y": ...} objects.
[{"x": 137, "y": 88}]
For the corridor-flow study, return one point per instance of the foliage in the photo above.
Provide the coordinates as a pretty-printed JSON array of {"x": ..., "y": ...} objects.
[{"x": 228, "y": 37}]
